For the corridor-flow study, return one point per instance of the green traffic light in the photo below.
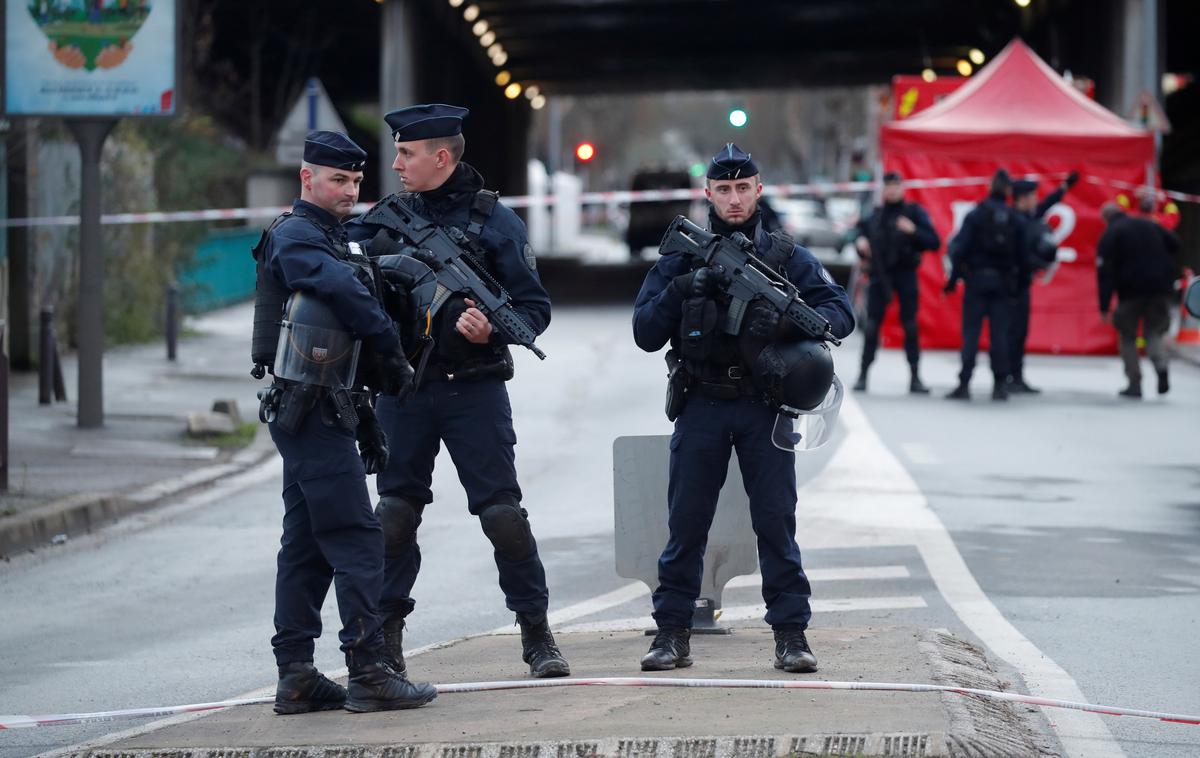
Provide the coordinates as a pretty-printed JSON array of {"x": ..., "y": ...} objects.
[{"x": 738, "y": 117}]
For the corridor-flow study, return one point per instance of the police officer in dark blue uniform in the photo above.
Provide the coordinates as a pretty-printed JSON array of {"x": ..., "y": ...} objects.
[
  {"x": 330, "y": 533},
  {"x": 461, "y": 398},
  {"x": 1040, "y": 252},
  {"x": 890, "y": 242},
  {"x": 989, "y": 253},
  {"x": 726, "y": 411}
]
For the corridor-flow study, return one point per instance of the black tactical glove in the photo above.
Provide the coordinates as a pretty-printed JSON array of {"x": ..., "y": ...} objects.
[
  {"x": 397, "y": 374},
  {"x": 372, "y": 442},
  {"x": 1072, "y": 177},
  {"x": 764, "y": 320},
  {"x": 702, "y": 282}
]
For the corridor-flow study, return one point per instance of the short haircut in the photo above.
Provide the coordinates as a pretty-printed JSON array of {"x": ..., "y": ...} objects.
[
  {"x": 314, "y": 168},
  {"x": 455, "y": 144}
]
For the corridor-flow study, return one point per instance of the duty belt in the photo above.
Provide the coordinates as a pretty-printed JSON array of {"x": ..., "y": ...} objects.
[{"x": 725, "y": 382}]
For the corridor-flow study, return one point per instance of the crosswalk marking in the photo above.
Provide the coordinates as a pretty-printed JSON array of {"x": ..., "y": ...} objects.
[
  {"x": 850, "y": 573},
  {"x": 752, "y": 612}
]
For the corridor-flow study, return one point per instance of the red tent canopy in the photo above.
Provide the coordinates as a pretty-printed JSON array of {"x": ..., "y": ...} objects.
[
  {"x": 1017, "y": 113},
  {"x": 1018, "y": 105}
]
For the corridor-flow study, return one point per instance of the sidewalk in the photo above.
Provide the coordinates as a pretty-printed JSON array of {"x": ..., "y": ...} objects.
[
  {"x": 64, "y": 480},
  {"x": 684, "y": 722}
]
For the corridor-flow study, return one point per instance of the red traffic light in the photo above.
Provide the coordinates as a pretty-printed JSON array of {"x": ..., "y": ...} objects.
[{"x": 585, "y": 151}]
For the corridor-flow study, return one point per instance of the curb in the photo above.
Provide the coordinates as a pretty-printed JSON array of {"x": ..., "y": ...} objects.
[{"x": 86, "y": 512}]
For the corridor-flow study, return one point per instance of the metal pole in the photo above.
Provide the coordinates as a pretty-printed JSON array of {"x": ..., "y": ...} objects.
[
  {"x": 90, "y": 134},
  {"x": 172, "y": 320},
  {"x": 45, "y": 356},
  {"x": 3, "y": 412},
  {"x": 553, "y": 158}
]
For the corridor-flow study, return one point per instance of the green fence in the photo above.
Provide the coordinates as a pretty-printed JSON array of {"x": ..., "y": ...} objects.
[{"x": 223, "y": 271}]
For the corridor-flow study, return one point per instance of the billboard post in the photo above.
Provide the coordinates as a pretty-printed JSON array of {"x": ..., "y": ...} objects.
[{"x": 92, "y": 63}]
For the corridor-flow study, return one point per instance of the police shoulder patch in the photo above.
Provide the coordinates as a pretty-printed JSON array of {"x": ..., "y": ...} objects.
[
  {"x": 530, "y": 258},
  {"x": 825, "y": 275}
]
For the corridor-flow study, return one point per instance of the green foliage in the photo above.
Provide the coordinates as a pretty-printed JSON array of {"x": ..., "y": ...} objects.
[
  {"x": 184, "y": 163},
  {"x": 240, "y": 437}
]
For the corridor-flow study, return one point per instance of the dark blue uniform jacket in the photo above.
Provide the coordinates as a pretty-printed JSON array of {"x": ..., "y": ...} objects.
[
  {"x": 658, "y": 309},
  {"x": 303, "y": 256}
]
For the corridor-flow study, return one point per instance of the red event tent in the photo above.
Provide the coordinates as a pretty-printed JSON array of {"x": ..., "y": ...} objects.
[{"x": 1019, "y": 114}]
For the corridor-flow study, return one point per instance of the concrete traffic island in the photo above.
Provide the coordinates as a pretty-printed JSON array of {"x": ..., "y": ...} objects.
[{"x": 644, "y": 722}]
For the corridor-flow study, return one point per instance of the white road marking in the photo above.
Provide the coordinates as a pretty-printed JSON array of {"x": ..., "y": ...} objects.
[
  {"x": 753, "y": 612},
  {"x": 847, "y": 574},
  {"x": 850, "y": 503}
]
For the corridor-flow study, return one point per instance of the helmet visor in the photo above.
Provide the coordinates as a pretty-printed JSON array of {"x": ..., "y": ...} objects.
[
  {"x": 800, "y": 431},
  {"x": 314, "y": 355}
]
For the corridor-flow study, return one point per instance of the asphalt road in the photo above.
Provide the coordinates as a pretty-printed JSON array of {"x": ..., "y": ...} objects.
[{"x": 1075, "y": 513}]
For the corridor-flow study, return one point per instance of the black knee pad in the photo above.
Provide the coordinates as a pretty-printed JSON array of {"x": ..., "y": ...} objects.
[
  {"x": 399, "y": 518},
  {"x": 508, "y": 529}
]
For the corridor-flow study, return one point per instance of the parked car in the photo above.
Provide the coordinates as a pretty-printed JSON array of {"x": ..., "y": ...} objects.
[{"x": 649, "y": 219}]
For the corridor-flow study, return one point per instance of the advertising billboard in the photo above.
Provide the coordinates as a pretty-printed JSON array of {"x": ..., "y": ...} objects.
[{"x": 89, "y": 58}]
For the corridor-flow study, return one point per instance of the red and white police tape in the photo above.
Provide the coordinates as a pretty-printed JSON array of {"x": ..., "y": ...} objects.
[
  {"x": 813, "y": 189},
  {"x": 62, "y": 719}
]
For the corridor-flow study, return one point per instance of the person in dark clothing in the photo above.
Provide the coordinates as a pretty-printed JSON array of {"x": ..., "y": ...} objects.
[
  {"x": 1040, "y": 252},
  {"x": 330, "y": 534},
  {"x": 461, "y": 398},
  {"x": 989, "y": 255},
  {"x": 1136, "y": 260},
  {"x": 890, "y": 243},
  {"x": 726, "y": 411}
]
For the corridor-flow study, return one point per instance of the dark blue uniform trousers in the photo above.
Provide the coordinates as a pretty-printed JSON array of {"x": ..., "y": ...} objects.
[
  {"x": 474, "y": 419},
  {"x": 705, "y": 433},
  {"x": 903, "y": 283},
  {"x": 1018, "y": 333},
  {"x": 330, "y": 534},
  {"x": 987, "y": 295}
]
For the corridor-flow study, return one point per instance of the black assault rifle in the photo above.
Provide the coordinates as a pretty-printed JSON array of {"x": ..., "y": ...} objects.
[
  {"x": 455, "y": 261},
  {"x": 743, "y": 277}
]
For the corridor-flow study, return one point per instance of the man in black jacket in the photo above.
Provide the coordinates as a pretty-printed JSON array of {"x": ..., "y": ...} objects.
[
  {"x": 1136, "y": 259},
  {"x": 989, "y": 255},
  {"x": 461, "y": 399},
  {"x": 1040, "y": 252},
  {"x": 890, "y": 242}
]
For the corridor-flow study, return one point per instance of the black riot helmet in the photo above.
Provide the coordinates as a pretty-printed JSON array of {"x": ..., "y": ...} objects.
[
  {"x": 794, "y": 375},
  {"x": 314, "y": 346}
]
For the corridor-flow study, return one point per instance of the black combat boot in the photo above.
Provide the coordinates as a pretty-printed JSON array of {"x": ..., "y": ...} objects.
[
  {"x": 1000, "y": 390},
  {"x": 374, "y": 686},
  {"x": 393, "y": 644},
  {"x": 1164, "y": 382},
  {"x": 1133, "y": 391},
  {"x": 671, "y": 649},
  {"x": 538, "y": 648},
  {"x": 861, "y": 384},
  {"x": 792, "y": 652},
  {"x": 961, "y": 392},
  {"x": 1018, "y": 386},
  {"x": 303, "y": 689},
  {"x": 915, "y": 385}
]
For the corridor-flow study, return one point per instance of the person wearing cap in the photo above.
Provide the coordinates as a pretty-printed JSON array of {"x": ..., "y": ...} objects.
[
  {"x": 330, "y": 533},
  {"x": 988, "y": 253},
  {"x": 461, "y": 399},
  {"x": 1136, "y": 261},
  {"x": 890, "y": 243},
  {"x": 680, "y": 304},
  {"x": 1040, "y": 252}
]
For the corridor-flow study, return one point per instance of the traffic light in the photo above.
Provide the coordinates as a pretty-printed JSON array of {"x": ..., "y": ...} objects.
[
  {"x": 738, "y": 118},
  {"x": 585, "y": 151}
]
